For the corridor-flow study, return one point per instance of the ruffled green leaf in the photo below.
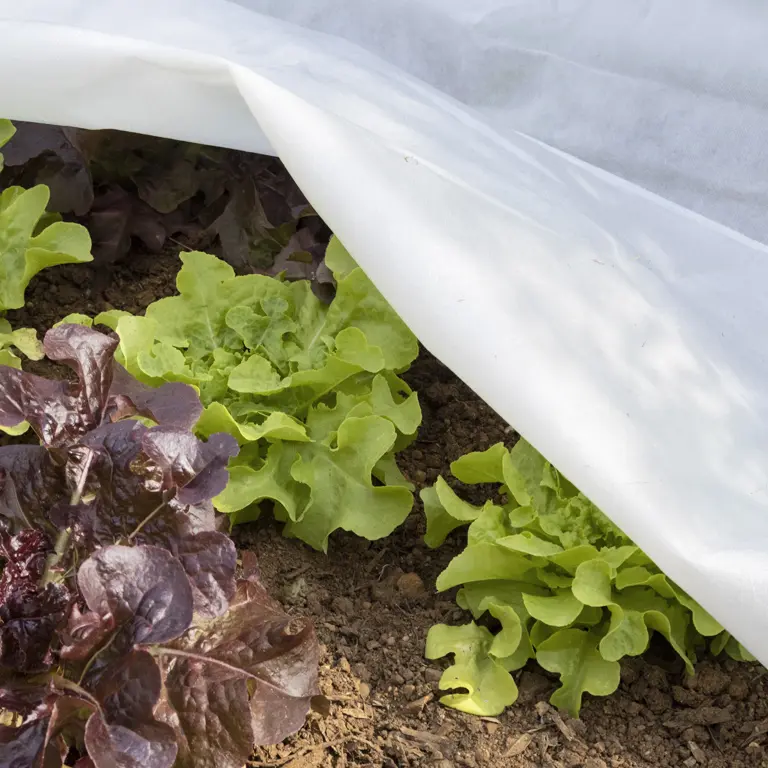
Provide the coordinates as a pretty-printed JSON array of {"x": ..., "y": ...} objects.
[
  {"x": 445, "y": 512},
  {"x": 669, "y": 619},
  {"x": 557, "y": 610},
  {"x": 592, "y": 583},
  {"x": 570, "y": 559},
  {"x": 737, "y": 651},
  {"x": 574, "y": 655},
  {"x": 553, "y": 579},
  {"x": 75, "y": 318},
  {"x": 339, "y": 260},
  {"x": 483, "y": 562},
  {"x": 324, "y": 488},
  {"x": 489, "y": 686},
  {"x": 277, "y": 426},
  {"x": 24, "y": 341},
  {"x": 481, "y": 466},
  {"x": 26, "y": 249},
  {"x": 387, "y": 472},
  {"x": 704, "y": 623},
  {"x": 489, "y": 527},
  {"x": 530, "y": 543},
  {"x": 256, "y": 375}
]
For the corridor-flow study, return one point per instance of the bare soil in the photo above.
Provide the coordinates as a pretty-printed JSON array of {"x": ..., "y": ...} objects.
[{"x": 373, "y": 603}]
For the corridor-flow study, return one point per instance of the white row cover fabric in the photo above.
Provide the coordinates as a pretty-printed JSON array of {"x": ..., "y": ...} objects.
[{"x": 446, "y": 143}]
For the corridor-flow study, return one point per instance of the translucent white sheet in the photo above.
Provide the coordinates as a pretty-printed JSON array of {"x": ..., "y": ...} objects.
[{"x": 620, "y": 333}]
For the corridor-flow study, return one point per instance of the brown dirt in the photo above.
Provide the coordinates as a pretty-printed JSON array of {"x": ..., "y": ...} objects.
[{"x": 374, "y": 602}]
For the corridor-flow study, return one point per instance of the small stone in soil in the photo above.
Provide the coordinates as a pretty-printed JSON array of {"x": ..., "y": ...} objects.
[
  {"x": 322, "y": 705},
  {"x": 416, "y": 707},
  {"x": 343, "y": 605},
  {"x": 410, "y": 585},
  {"x": 738, "y": 690},
  {"x": 697, "y": 752},
  {"x": 432, "y": 675},
  {"x": 711, "y": 681},
  {"x": 365, "y": 690}
]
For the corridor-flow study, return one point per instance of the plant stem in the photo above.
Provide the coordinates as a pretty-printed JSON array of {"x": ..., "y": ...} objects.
[
  {"x": 77, "y": 494},
  {"x": 96, "y": 656},
  {"x": 68, "y": 685},
  {"x": 149, "y": 517},
  {"x": 55, "y": 557}
]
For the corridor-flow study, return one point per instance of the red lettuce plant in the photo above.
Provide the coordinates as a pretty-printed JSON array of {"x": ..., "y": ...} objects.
[{"x": 126, "y": 639}]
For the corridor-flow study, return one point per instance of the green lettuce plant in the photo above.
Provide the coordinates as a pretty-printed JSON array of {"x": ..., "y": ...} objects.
[
  {"x": 30, "y": 238},
  {"x": 559, "y": 582},
  {"x": 309, "y": 390},
  {"x": 23, "y": 340}
]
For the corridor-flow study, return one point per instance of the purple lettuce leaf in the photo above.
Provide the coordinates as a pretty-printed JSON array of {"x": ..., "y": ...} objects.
[
  {"x": 209, "y": 559},
  {"x": 27, "y": 746},
  {"x": 30, "y": 485},
  {"x": 30, "y": 612},
  {"x": 129, "y": 689},
  {"x": 26, "y": 397},
  {"x": 172, "y": 405},
  {"x": 197, "y": 469},
  {"x": 209, "y": 711},
  {"x": 117, "y": 481},
  {"x": 84, "y": 634},
  {"x": 50, "y": 155},
  {"x": 256, "y": 640},
  {"x": 90, "y": 356},
  {"x": 141, "y": 481},
  {"x": 145, "y": 745},
  {"x": 17, "y": 694},
  {"x": 143, "y": 588},
  {"x": 116, "y": 218},
  {"x": 124, "y": 731}
]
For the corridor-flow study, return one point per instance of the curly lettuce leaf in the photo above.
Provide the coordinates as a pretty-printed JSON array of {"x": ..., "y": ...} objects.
[
  {"x": 28, "y": 246},
  {"x": 445, "y": 512},
  {"x": 322, "y": 488},
  {"x": 574, "y": 655},
  {"x": 489, "y": 686},
  {"x": 22, "y": 340}
]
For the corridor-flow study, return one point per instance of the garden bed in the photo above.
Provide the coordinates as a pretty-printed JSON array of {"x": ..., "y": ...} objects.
[{"x": 373, "y": 603}]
